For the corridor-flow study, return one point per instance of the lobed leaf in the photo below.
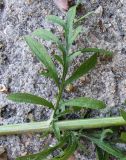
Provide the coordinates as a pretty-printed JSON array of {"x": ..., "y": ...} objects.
[
  {"x": 40, "y": 51},
  {"x": 69, "y": 25},
  {"x": 29, "y": 98},
  {"x": 83, "y": 69},
  {"x": 84, "y": 102},
  {"x": 123, "y": 114},
  {"x": 97, "y": 50},
  {"x": 104, "y": 133},
  {"x": 123, "y": 136},
  {"x": 46, "y": 35},
  {"x": 59, "y": 59},
  {"x": 107, "y": 147},
  {"x": 56, "y": 19}
]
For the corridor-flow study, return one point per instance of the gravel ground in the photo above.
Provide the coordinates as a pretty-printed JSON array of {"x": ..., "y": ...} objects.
[{"x": 19, "y": 69}]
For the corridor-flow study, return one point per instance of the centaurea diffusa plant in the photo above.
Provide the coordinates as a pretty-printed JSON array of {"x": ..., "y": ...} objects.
[{"x": 68, "y": 132}]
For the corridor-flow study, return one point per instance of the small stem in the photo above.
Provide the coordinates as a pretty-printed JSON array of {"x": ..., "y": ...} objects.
[{"x": 63, "y": 125}]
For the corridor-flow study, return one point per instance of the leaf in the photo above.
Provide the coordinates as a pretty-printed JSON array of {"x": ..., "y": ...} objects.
[
  {"x": 84, "y": 17},
  {"x": 46, "y": 35},
  {"x": 29, "y": 98},
  {"x": 69, "y": 24},
  {"x": 97, "y": 50},
  {"x": 107, "y": 147},
  {"x": 77, "y": 31},
  {"x": 46, "y": 74},
  {"x": 40, "y": 51},
  {"x": 59, "y": 59},
  {"x": 83, "y": 69},
  {"x": 56, "y": 131},
  {"x": 123, "y": 114},
  {"x": 123, "y": 136},
  {"x": 85, "y": 103},
  {"x": 43, "y": 154},
  {"x": 101, "y": 155},
  {"x": 56, "y": 19},
  {"x": 72, "y": 146},
  {"x": 104, "y": 133},
  {"x": 74, "y": 55}
]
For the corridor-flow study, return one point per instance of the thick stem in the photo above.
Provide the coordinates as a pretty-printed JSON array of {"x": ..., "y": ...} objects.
[{"x": 63, "y": 125}]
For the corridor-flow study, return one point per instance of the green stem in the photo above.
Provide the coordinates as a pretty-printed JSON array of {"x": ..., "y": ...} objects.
[{"x": 63, "y": 125}]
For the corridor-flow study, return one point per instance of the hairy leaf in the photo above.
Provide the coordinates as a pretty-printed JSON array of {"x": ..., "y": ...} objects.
[
  {"x": 107, "y": 147},
  {"x": 59, "y": 59},
  {"x": 46, "y": 35},
  {"x": 123, "y": 114},
  {"x": 85, "y": 103},
  {"x": 56, "y": 19},
  {"x": 56, "y": 131},
  {"x": 123, "y": 136},
  {"x": 43, "y": 154},
  {"x": 29, "y": 98},
  {"x": 74, "y": 55},
  {"x": 69, "y": 25},
  {"x": 72, "y": 146},
  {"x": 96, "y": 50},
  {"x": 83, "y": 69},
  {"x": 104, "y": 133},
  {"x": 40, "y": 51},
  {"x": 84, "y": 17}
]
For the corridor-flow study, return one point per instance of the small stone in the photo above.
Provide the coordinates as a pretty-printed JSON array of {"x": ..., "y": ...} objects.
[
  {"x": 2, "y": 150},
  {"x": 99, "y": 11},
  {"x": 3, "y": 89},
  {"x": 70, "y": 88}
]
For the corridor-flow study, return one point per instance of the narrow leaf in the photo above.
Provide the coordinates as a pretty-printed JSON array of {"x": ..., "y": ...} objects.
[
  {"x": 56, "y": 19},
  {"x": 85, "y": 103},
  {"x": 46, "y": 35},
  {"x": 123, "y": 114},
  {"x": 104, "y": 133},
  {"x": 40, "y": 51},
  {"x": 56, "y": 131},
  {"x": 74, "y": 55},
  {"x": 59, "y": 59},
  {"x": 29, "y": 98},
  {"x": 69, "y": 24},
  {"x": 123, "y": 136},
  {"x": 83, "y": 69},
  {"x": 77, "y": 31},
  {"x": 97, "y": 50},
  {"x": 84, "y": 17},
  {"x": 107, "y": 147},
  {"x": 43, "y": 154}
]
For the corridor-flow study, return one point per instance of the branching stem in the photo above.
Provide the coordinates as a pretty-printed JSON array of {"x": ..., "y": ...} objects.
[{"x": 63, "y": 125}]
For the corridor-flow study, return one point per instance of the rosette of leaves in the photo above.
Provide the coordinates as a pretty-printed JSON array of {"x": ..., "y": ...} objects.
[{"x": 67, "y": 141}]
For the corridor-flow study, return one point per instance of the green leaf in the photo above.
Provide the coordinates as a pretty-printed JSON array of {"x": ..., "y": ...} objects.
[
  {"x": 46, "y": 35},
  {"x": 77, "y": 31},
  {"x": 40, "y": 51},
  {"x": 107, "y": 147},
  {"x": 59, "y": 59},
  {"x": 123, "y": 136},
  {"x": 69, "y": 24},
  {"x": 97, "y": 50},
  {"x": 104, "y": 133},
  {"x": 84, "y": 17},
  {"x": 74, "y": 55},
  {"x": 29, "y": 98},
  {"x": 46, "y": 74},
  {"x": 72, "y": 146},
  {"x": 123, "y": 114},
  {"x": 83, "y": 69},
  {"x": 56, "y": 19},
  {"x": 101, "y": 155},
  {"x": 85, "y": 103},
  {"x": 56, "y": 131},
  {"x": 43, "y": 154}
]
